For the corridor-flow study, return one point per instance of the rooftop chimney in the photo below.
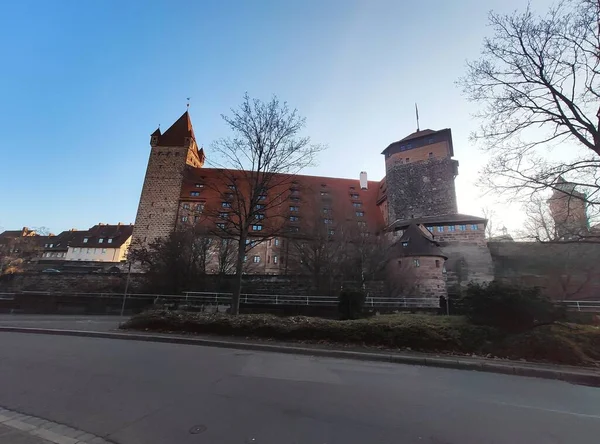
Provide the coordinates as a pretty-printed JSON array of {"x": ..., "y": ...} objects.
[{"x": 363, "y": 180}]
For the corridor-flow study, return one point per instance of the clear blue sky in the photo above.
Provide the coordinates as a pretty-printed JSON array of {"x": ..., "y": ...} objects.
[{"x": 84, "y": 83}]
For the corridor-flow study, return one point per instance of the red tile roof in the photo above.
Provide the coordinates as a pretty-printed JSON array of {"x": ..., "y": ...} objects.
[
  {"x": 117, "y": 233},
  {"x": 178, "y": 132},
  {"x": 343, "y": 198},
  {"x": 418, "y": 134}
]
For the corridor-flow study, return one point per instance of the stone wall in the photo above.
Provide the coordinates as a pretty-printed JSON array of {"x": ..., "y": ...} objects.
[
  {"x": 115, "y": 283},
  {"x": 420, "y": 189},
  {"x": 159, "y": 202},
  {"x": 567, "y": 271},
  {"x": 467, "y": 261}
]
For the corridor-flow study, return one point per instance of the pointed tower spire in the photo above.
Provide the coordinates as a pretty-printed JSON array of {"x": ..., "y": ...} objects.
[{"x": 177, "y": 133}]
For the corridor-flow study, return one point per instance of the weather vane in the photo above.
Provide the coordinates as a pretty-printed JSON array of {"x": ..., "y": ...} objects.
[{"x": 188, "y": 102}]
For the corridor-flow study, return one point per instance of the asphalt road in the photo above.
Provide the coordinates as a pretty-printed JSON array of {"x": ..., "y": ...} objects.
[
  {"x": 65, "y": 322},
  {"x": 141, "y": 392}
]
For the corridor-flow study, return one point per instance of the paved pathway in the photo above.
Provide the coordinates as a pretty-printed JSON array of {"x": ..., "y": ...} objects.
[
  {"x": 17, "y": 428},
  {"x": 149, "y": 393},
  {"x": 67, "y": 322}
]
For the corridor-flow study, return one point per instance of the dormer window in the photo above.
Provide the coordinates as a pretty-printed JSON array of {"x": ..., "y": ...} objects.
[
  {"x": 109, "y": 241},
  {"x": 85, "y": 240},
  {"x": 405, "y": 244},
  {"x": 199, "y": 185},
  {"x": 101, "y": 240}
]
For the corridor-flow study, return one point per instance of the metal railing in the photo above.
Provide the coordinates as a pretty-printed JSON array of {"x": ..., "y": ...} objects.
[{"x": 591, "y": 306}]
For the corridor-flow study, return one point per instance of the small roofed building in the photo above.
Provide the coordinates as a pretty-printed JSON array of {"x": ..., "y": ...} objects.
[
  {"x": 57, "y": 247},
  {"x": 416, "y": 270},
  {"x": 101, "y": 243}
]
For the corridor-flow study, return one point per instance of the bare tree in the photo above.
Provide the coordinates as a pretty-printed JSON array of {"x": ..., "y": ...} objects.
[
  {"x": 258, "y": 163},
  {"x": 173, "y": 264},
  {"x": 542, "y": 225},
  {"x": 490, "y": 227},
  {"x": 537, "y": 81}
]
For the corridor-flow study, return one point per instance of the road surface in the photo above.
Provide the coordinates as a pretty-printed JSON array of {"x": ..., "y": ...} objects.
[{"x": 142, "y": 392}]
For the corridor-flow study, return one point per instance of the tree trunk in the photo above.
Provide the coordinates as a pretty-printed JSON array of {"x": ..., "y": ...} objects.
[{"x": 237, "y": 284}]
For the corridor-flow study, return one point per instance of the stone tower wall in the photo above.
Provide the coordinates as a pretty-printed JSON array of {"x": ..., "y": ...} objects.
[
  {"x": 423, "y": 188},
  {"x": 159, "y": 201}
]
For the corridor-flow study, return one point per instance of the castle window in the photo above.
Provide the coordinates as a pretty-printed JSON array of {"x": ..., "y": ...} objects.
[
  {"x": 356, "y": 204},
  {"x": 231, "y": 186},
  {"x": 294, "y": 229},
  {"x": 245, "y": 258},
  {"x": 437, "y": 263},
  {"x": 223, "y": 215},
  {"x": 294, "y": 208},
  {"x": 354, "y": 195},
  {"x": 109, "y": 241},
  {"x": 330, "y": 232},
  {"x": 221, "y": 225},
  {"x": 274, "y": 259},
  {"x": 326, "y": 210},
  {"x": 328, "y": 221},
  {"x": 184, "y": 218},
  {"x": 474, "y": 227},
  {"x": 294, "y": 218},
  {"x": 360, "y": 213},
  {"x": 226, "y": 204},
  {"x": 295, "y": 199},
  {"x": 440, "y": 229},
  {"x": 462, "y": 227},
  {"x": 194, "y": 193},
  {"x": 324, "y": 193},
  {"x": 256, "y": 259},
  {"x": 416, "y": 263},
  {"x": 186, "y": 206},
  {"x": 362, "y": 224},
  {"x": 451, "y": 228},
  {"x": 276, "y": 242},
  {"x": 430, "y": 229},
  {"x": 257, "y": 227},
  {"x": 199, "y": 185},
  {"x": 262, "y": 197},
  {"x": 100, "y": 240},
  {"x": 260, "y": 207},
  {"x": 85, "y": 240},
  {"x": 405, "y": 244},
  {"x": 259, "y": 216},
  {"x": 199, "y": 208}
]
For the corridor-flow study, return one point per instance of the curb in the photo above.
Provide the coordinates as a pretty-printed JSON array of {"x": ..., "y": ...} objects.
[
  {"x": 46, "y": 431},
  {"x": 576, "y": 377}
]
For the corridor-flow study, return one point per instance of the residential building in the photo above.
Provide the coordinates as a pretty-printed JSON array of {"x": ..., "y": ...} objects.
[{"x": 101, "y": 243}]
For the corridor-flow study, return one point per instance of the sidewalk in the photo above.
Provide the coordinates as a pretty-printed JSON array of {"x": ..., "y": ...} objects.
[
  {"x": 17, "y": 428},
  {"x": 9, "y": 435}
]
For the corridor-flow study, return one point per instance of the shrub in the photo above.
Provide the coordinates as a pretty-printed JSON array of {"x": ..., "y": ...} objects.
[
  {"x": 351, "y": 303},
  {"x": 507, "y": 307}
]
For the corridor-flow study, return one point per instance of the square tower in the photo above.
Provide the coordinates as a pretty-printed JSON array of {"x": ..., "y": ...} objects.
[
  {"x": 420, "y": 175},
  {"x": 170, "y": 154}
]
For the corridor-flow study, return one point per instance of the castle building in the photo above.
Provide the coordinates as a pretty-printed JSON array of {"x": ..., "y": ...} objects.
[
  {"x": 568, "y": 209},
  {"x": 418, "y": 188}
]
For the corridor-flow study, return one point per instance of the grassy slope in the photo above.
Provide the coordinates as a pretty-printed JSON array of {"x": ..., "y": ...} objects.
[{"x": 565, "y": 344}]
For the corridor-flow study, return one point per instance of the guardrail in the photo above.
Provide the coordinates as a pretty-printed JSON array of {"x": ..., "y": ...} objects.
[{"x": 591, "y": 306}]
